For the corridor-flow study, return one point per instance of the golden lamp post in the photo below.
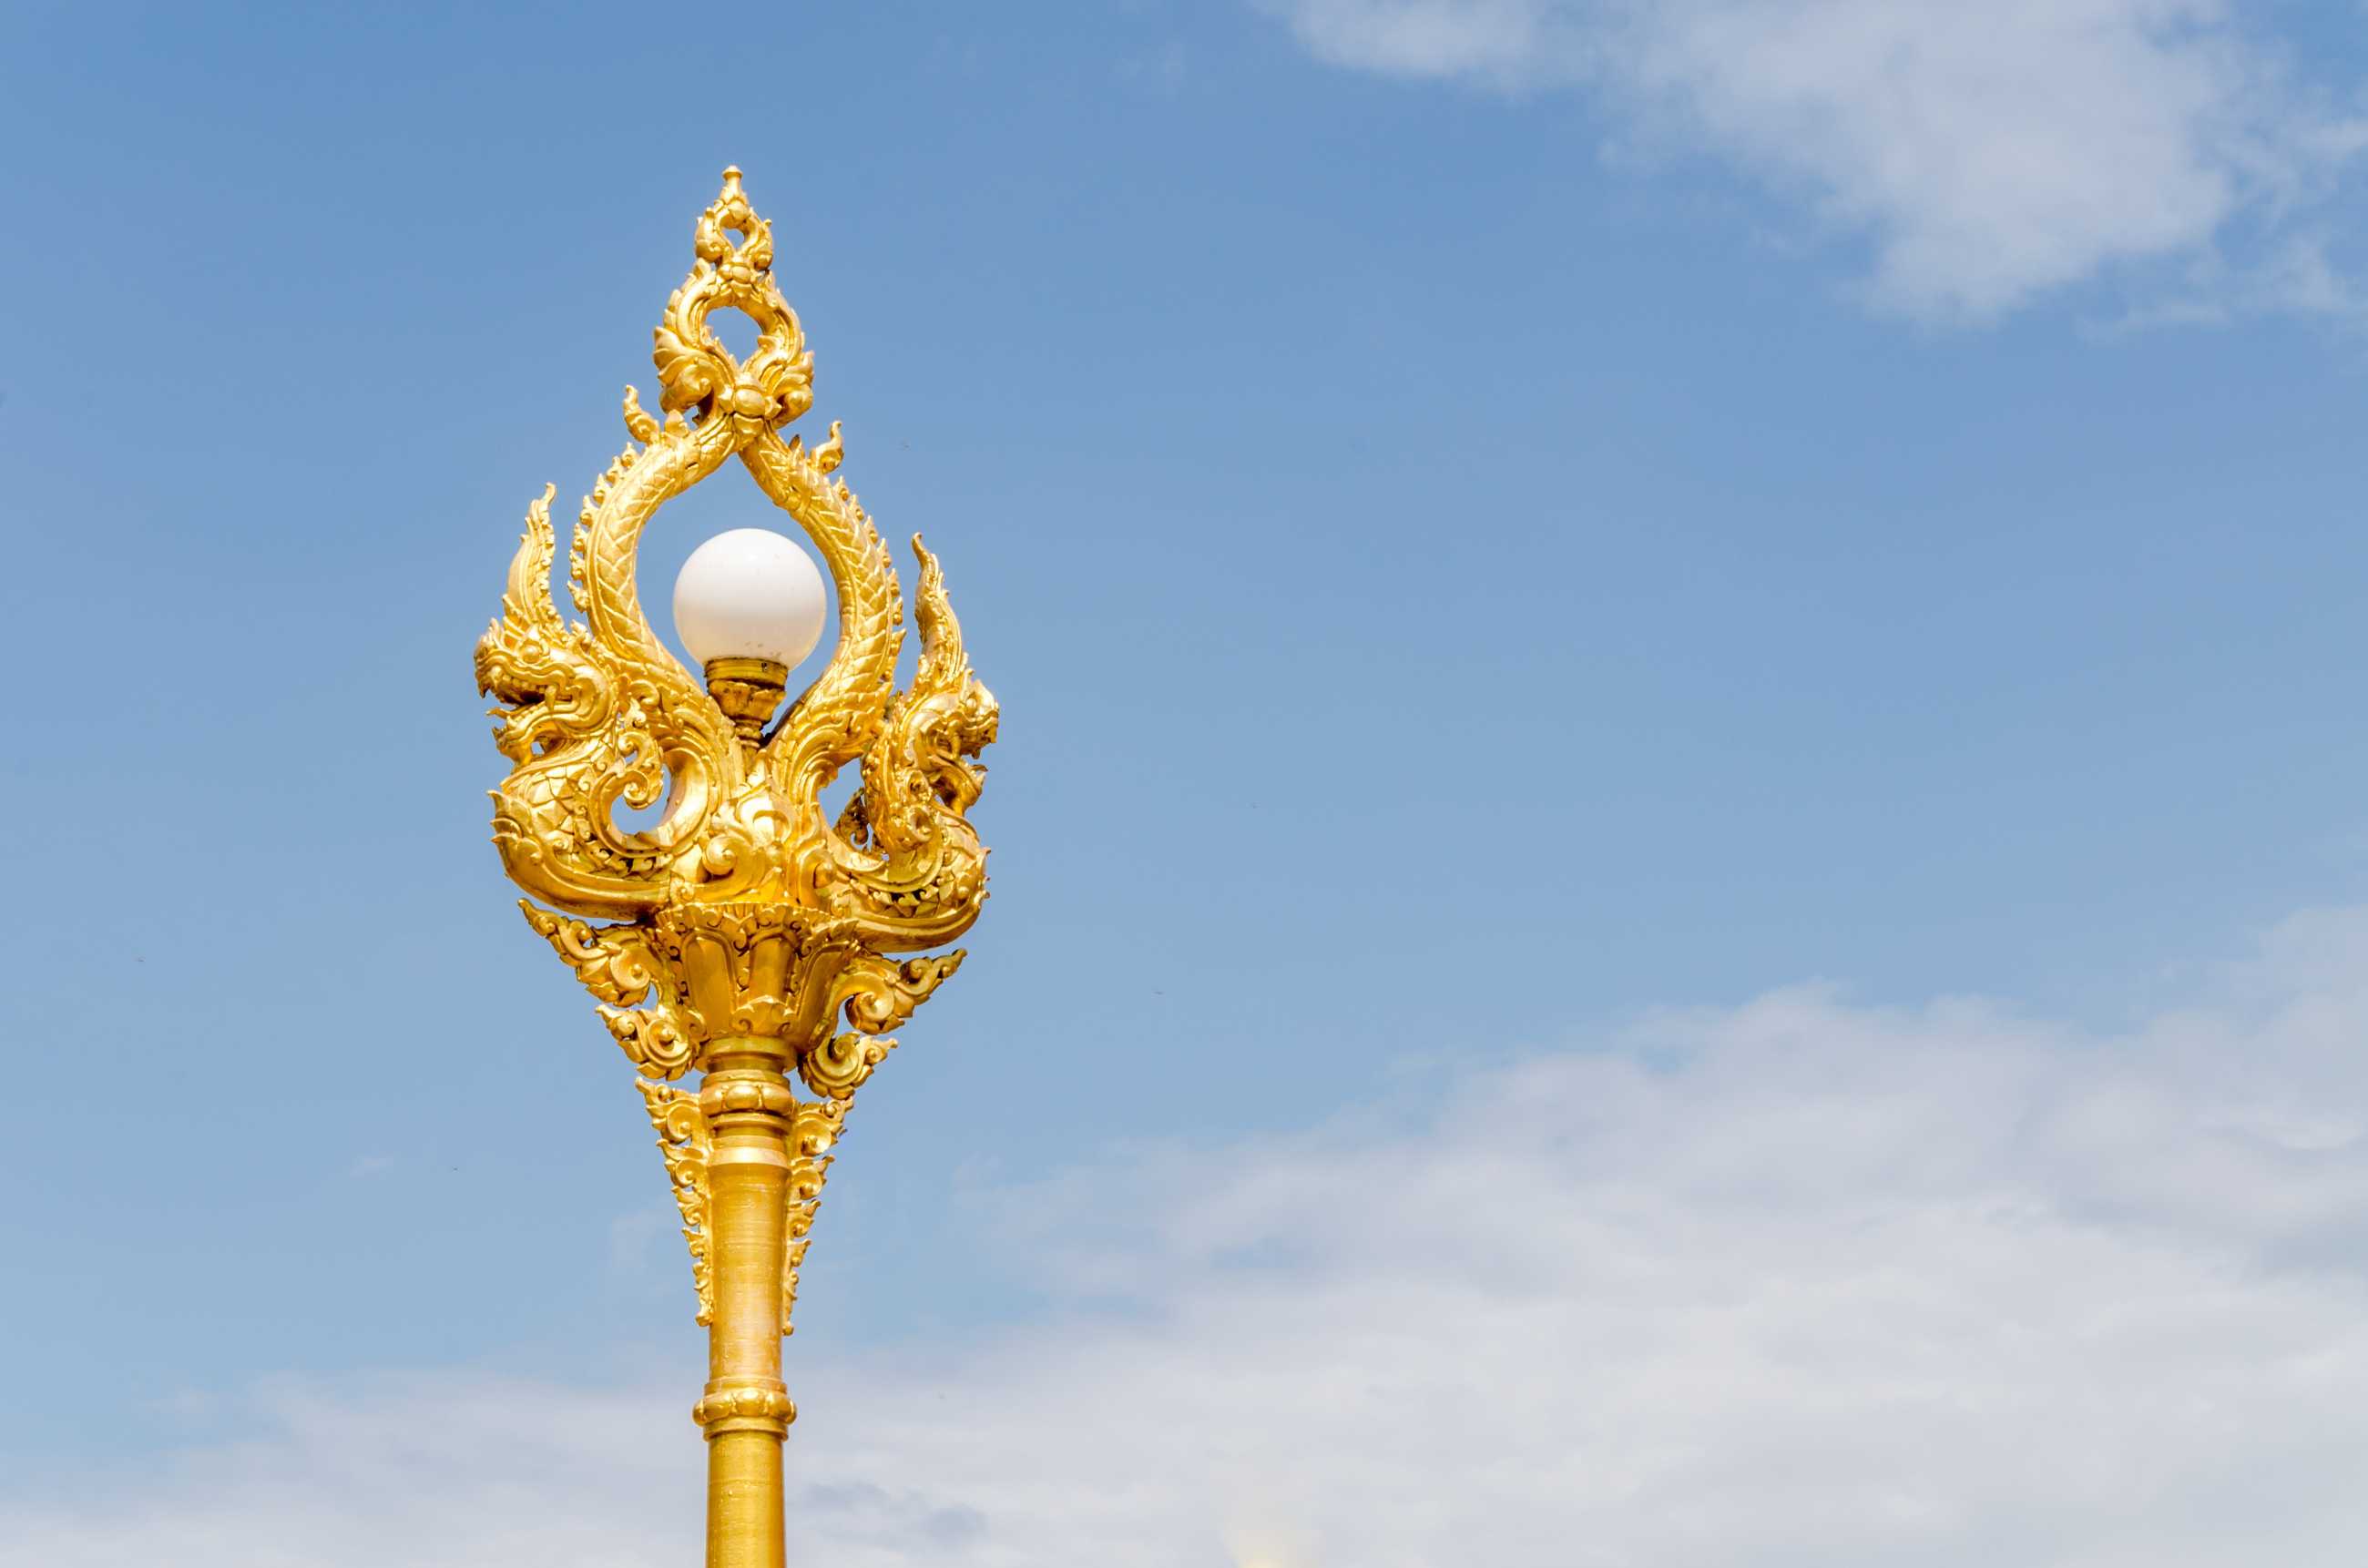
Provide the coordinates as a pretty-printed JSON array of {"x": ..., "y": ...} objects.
[{"x": 730, "y": 938}]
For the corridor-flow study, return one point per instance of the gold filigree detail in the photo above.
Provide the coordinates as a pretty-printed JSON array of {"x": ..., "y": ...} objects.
[
  {"x": 685, "y": 1140},
  {"x": 613, "y": 961},
  {"x": 879, "y": 995},
  {"x": 736, "y": 934},
  {"x": 652, "y": 1039},
  {"x": 813, "y": 1128},
  {"x": 597, "y": 715}
]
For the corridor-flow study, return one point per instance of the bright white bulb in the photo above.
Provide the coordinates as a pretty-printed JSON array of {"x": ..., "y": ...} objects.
[{"x": 748, "y": 594}]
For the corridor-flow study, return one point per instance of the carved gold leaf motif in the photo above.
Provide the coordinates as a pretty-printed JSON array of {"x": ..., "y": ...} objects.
[{"x": 745, "y": 935}]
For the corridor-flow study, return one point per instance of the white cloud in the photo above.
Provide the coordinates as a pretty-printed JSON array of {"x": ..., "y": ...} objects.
[
  {"x": 1800, "y": 1282},
  {"x": 1989, "y": 153}
]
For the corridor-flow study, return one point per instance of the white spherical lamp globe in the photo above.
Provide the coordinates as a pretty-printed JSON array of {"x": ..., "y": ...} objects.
[{"x": 749, "y": 594}]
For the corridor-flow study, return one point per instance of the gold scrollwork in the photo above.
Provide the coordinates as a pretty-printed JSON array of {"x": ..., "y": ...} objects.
[
  {"x": 598, "y": 713},
  {"x": 685, "y": 1140},
  {"x": 744, "y": 910},
  {"x": 816, "y": 1125}
]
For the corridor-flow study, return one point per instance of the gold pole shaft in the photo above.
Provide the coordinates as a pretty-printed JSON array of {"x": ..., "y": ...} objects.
[{"x": 747, "y": 1411}]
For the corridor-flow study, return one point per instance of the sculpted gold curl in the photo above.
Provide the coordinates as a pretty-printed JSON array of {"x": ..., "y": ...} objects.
[{"x": 733, "y": 938}]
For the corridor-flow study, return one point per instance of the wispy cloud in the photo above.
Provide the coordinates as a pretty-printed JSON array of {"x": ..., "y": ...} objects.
[
  {"x": 1987, "y": 153},
  {"x": 1798, "y": 1282}
]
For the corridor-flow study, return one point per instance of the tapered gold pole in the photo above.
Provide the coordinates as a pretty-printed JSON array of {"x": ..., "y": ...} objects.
[{"x": 747, "y": 1411}]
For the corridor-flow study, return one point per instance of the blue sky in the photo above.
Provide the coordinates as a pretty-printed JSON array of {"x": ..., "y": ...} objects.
[{"x": 1651, "y": 638}]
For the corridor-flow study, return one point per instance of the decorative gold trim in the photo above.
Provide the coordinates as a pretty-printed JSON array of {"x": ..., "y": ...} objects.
[
  {"x": 598, "y": 714},
  {"x": 735, "y": 934},
  {"x": 685, "y": 1140}
]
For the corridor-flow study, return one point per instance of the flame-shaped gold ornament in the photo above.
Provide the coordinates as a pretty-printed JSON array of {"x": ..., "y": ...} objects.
[{"x": 745, "y": 925}]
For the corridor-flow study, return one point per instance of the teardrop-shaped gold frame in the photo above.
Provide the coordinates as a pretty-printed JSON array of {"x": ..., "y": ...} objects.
[{"x": 602, "y": 713}]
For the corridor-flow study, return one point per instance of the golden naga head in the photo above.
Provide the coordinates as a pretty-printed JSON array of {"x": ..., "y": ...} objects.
[{"x": 744, "y": 910}]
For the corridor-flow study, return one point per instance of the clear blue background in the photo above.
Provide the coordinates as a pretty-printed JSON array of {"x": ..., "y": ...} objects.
[{"x": 1441, "y": 589}]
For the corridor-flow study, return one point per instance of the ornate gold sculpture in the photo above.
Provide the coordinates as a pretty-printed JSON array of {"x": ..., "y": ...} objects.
[{"x": 746, "y": 923}]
